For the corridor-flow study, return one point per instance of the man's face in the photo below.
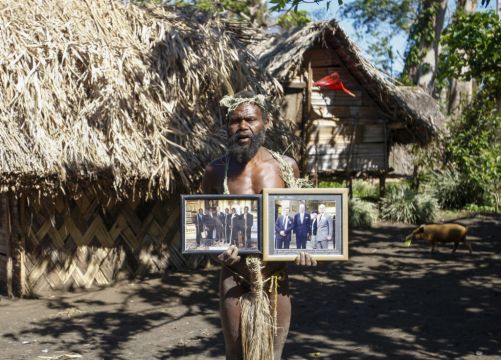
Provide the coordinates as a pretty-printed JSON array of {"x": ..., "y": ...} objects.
[
  {"x": 301, "y": 208},
  {"x": 246, "y": 209},
  {"x": 227, "y": 211},
  {"x": 246, "y": 129},
  {"x": 217, "y": 210},
  {"x": 200, "y": 211},
  {"x": 314, "y": 216},
  {"x": 321, "y": 209},
  {"x": 286, "y": 211}
]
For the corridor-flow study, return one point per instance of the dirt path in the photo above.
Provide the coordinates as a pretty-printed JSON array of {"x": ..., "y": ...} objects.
[{"x": 388, "y": 301}]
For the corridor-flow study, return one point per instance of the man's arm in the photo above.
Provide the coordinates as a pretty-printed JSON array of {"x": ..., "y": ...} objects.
[{"x": 331, "y": 227}]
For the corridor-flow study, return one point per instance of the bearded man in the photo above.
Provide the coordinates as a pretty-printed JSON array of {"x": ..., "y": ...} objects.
[{"x": 247, "y": 168}]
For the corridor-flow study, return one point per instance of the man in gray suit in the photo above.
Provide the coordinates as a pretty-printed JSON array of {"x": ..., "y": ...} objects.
[{"x": 325, "y": 229}]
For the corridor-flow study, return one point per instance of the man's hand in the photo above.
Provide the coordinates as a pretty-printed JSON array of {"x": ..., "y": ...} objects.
[
  {"x": 282, "y": 232},
  {"x": 305, "y": 259},
  {"x": 230, "y": 256},
  {"x": 329, "y": 237}
]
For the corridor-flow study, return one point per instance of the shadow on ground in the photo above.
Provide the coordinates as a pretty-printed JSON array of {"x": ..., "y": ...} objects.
[{"x": 388, "y": 301}]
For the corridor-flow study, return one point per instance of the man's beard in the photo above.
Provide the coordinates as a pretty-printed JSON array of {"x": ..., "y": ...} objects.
[{"x": 244, "y": 153}]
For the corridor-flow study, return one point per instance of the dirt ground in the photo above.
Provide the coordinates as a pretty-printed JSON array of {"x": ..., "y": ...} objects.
[{"x": 388, "y": 301}]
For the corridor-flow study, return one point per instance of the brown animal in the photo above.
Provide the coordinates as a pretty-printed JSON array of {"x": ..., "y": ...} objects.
[{"x": 441, "y": 233}]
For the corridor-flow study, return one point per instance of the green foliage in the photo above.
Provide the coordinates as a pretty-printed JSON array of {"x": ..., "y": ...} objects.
[
  {"x": 450, "y": 190},
  {"x": 293, "y": 19},
  {"x": 402, "y": 204},
  {"x": 369, "y": 15},
  {"x": 361, "y": 213},
  {"x": 364, "y": 190},
  {"x": 481, "y": 208},
  {"x": 278, "y": 5},
  {"x": 472, "y": 49},
  {"x": 474, "y": 152},
  {"x": 421, "y": 35},
  {"x": 253, "y": 11},
  {"x": 331, "y": 184}
]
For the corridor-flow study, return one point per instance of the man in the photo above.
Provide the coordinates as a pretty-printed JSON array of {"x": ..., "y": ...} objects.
[
  {"x": 209, "y": 225},
  {"x": 227, "y": 226},
  {"x": 325, "y": 230},
  {"x": 248, "y": 220},
  {"x": 283, "y": 228},
  {"x": 237, "y": 227},
  {"x": 302, "y": 227},
  {"x": 247, "y": 169},
  {"x": 199, "y": 223},
  {"x": 314, "y": 226},
  {"x": 219, "y": 222}
]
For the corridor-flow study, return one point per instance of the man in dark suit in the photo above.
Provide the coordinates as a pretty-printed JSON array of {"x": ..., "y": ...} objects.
[
  {"x": 248, "y": 221},
  {"x": 283, "y": 228},
  {"x": 198, "y": 220},
  {"x": 210, "y": 225},
  {"x": 301, "y": 227},
  {"x": 227, "y": 226},
  {"x": 220, "y": 224}
]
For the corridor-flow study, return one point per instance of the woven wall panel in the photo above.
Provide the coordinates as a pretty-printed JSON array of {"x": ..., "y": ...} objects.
[{"x": 94, "y": 240}]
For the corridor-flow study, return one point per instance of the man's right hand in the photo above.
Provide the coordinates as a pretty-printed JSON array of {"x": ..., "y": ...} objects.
[
  {"x": 282, "y": 232},
  {"x": 230, "y": 256}
]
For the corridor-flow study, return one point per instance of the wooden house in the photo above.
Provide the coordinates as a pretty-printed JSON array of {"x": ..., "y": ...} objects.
[
  {"x": 341, "y": 134},
  {"x": 107, "y": 114}
]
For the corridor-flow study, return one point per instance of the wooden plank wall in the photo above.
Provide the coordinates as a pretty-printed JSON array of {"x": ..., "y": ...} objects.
[
  {"x": 95, "y": 240},
  {"x": 4, "y": 238},
  {"x": 343, "y": 132}
]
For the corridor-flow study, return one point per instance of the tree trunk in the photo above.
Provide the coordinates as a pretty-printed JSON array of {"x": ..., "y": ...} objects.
[
  {"x": 422, "y": 68},
  {"x": 461, "y": 92}
]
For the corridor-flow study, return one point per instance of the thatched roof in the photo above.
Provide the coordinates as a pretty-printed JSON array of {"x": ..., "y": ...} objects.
[
  {"x": 97, "y": 90},
  {"x": 282, "y": 56}
]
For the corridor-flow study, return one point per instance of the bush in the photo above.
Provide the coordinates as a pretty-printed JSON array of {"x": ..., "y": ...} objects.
[
  {"x": 365, "y": 190},
  {"x": 331, "y": 184},
  {"x": 402, "y": 204},
  {"x": 361, "y": 213}
]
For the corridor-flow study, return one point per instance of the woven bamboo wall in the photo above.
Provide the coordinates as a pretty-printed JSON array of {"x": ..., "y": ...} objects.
[{"x": 94, "y": 240}]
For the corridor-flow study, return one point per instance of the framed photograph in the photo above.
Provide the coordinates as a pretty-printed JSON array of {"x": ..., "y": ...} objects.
[
  {"x": 310, "y": 220},
  {"x": 211, "y": 223}
]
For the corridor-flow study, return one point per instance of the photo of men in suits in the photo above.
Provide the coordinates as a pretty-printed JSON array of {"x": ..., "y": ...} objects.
[
  {"x": 325, "y": 228},
  {"x": 283, "y": 229},
  {"x": 248, "y": 220},
  {"x": 301, "y": 227},
  {"x": 211, "y": 224}
]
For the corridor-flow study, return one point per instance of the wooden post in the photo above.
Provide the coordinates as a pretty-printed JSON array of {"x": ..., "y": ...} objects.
[
  {"x": 305, "y": 118},
  {"x": 16, "y": 247},
  {"x": 382, "y": 184}
]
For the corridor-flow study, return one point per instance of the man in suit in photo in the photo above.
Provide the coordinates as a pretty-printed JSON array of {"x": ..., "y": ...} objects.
[
  {"x": 220, "y": 225},
  {"x": 198, "y": 220},
  {"x": 210, "y": 225},
  {"x": 227, "y": 226},
  {"x": 301, "y": 227},
  {"x": 325, "y": 229},
  {"x": 283, "y": 228},
  {"x": 248, "y": 219},
  {"x": 314, "y": 227}
]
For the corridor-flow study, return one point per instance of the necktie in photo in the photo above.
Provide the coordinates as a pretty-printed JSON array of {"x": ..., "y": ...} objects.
[{"x": 285, "y": 222}]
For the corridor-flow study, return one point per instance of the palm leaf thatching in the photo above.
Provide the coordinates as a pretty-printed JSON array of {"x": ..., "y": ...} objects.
[
  {"x": 283, "y": 57},
  {"x": 120, "y": 95}
]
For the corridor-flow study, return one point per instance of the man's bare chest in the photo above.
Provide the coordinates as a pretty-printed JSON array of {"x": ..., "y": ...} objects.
[{"x": 253, "y": 182}]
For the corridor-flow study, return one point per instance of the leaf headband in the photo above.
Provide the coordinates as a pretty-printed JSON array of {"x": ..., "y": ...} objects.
[{"x": 232, "y": 102}]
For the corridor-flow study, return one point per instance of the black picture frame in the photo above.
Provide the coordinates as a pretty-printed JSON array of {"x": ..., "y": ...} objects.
[{"x": 191, "y": 243}]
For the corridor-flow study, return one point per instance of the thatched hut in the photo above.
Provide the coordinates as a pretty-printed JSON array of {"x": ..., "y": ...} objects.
[
  {"x": 341, "y": 134},
  {"x": 107, "y": 112}
]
